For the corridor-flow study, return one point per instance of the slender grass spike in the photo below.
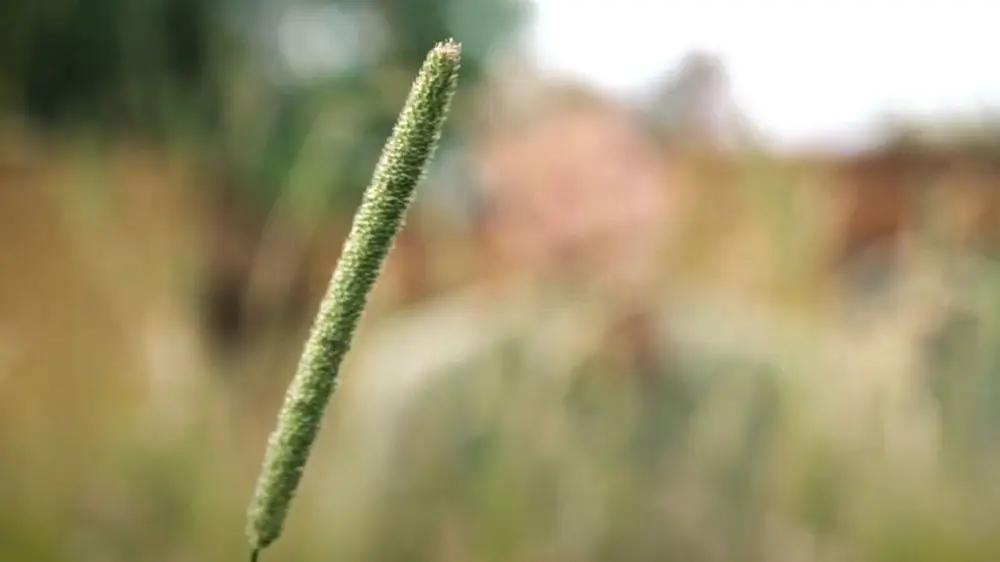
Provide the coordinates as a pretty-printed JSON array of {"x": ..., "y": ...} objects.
[{"x": 381, "y": 215}]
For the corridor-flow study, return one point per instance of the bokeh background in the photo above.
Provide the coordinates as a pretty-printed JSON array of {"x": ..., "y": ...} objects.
[{"x": 701, "y": 283}]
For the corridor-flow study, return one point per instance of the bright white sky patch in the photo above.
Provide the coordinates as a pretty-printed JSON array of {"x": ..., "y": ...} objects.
[{"x": 801, "y": 69}]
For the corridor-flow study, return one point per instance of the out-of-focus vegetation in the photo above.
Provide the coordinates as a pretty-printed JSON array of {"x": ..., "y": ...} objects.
[
  {"x": 732, "y": 356},
  {"x": 251, "y": 79}
]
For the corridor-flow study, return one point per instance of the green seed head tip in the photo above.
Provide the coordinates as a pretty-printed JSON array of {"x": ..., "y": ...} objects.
[
  {"x": 401, "y": 167},
  {"x": 448, "y": 48}
]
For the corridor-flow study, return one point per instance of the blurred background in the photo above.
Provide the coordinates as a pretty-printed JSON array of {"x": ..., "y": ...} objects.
[{"x": 699, "y": 283}]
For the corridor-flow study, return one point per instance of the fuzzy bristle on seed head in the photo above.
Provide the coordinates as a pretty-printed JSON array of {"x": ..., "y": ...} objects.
[{"x": 449, "y": 48}]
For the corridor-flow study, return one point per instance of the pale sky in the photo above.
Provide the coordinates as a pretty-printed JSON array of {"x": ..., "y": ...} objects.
[{"x": 803, "y": 70}]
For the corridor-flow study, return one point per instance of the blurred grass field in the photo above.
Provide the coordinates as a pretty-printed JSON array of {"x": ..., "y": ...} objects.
[
  {"x": 601, "y": 336},
  {"x": 785, "y": 417}
]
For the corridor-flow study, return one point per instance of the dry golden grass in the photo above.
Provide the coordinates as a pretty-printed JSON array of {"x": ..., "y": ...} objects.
[{"x": 123, "y": 435}]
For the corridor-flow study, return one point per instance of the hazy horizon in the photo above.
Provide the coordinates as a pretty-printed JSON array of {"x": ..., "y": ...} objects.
[{"x": 803, "y": 71}]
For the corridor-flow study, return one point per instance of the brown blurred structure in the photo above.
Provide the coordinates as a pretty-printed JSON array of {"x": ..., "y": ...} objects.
[{"x": 887, "y": 187}]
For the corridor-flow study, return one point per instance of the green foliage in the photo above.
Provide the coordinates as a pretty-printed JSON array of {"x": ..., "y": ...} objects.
[
  {"x": 161, "y": 67},
  {"x": 364, "y": 99},
  {"x": 113, "y": 62}
]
